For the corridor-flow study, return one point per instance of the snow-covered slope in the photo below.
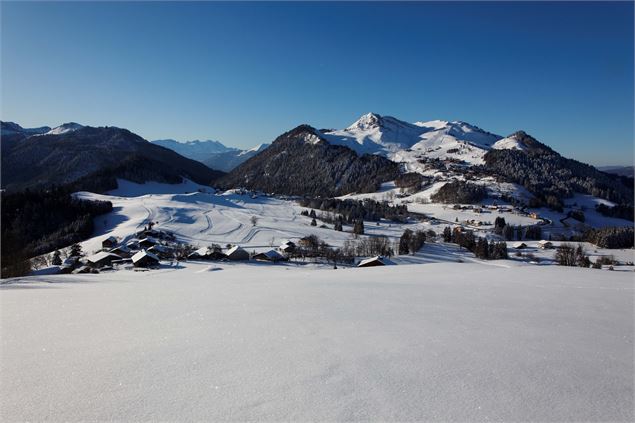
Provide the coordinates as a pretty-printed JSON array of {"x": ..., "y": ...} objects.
[
  {"x": 407, "y": 142},
  {"x": 254, "y": 342},
  {"x": 230, "y": 159},
  {"x": 64, "y": 128},
  {"x": 213, "y": 154},
  {"x": 197, "y": 150}
]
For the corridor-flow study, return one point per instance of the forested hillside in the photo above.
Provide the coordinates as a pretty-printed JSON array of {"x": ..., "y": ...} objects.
[{"x": 302, "y": 162}]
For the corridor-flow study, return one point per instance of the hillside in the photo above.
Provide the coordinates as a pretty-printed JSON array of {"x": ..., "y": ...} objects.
[
  {"x": 551, "y": 177},
  {"x": 91, "y": 158},
  {"x": 303, "y": 162}
]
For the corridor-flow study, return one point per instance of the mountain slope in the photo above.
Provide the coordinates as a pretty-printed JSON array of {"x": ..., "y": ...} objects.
[
  {"x": 213, "y": 154},
  {"x": 230, "y": 159},
  {"x": 99, "y": 153},
  {"x": 303, "y": 162},
  {"x": 408, "y": 142},
  {"x": 196, "y": 150},
  {"x": 551, "y": 177}
]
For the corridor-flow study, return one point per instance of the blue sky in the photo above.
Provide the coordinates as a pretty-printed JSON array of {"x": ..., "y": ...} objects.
[{"x": 243, "y": 73}]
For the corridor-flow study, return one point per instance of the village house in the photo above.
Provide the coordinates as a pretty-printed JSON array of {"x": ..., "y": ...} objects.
[
  {"x": 207, "y": 253},
  {"x": 287, "y": 247},
  {"x": 519, "y": 245},
  {"x": 102, "y": 259},
  {"x": 237, "y": 253},
  {"x": 83, "y": 269},
  {"x": 109, "y": 243},
  {"x": 545, "y": 244},
  {"x": 145, "y": 259},
  {"x": 148, "y": 242},
  {"x": 161, "y": 251},
  {"x": 270, "y": 255},
  {"x": 375, "y": 261},
  {"x": 122, "y": 251}
]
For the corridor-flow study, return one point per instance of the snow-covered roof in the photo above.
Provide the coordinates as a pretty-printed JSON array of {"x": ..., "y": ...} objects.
[
  {"x": 234, "y": 249},
  {"x": 102, "y": 255},
  {"x": 380, "y": 259},
  {"x": 149, "y": 239},
  {"x": 544, "y": 242},
  {"x": 160, "y": 248},
  {"x": 519, "y": 245},
  {"x": 111, "y": 239},
  {"x": 141, "y": 254},
  {"x": 121, "y": 248},
  {"x": 272, "y": 254},
  {"x": 201, "y": 251}
]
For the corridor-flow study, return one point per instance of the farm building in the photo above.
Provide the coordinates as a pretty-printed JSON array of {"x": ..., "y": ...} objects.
[
  {"x": 109, "y": 242},
  {"x": 237, "y": 253},
  {"x": 133, "y": 244},
  {"x": 375, "y": 261},
  {"x": 207, "y": 253},
  {"x": 287, "y": 247},
  {"x": 102, "y": 259},
  {"x": 545, "y": 244},
  {"x": 145, "y": 259},
  {"x": 270, "y": 255},
  {"x": 519, "y": 245},
  {"x": 161, "y": 251},
  {"x": 82, "y": 269},
  {"x": 147, "y": 242},
  {"x": 122, "y": 251}
]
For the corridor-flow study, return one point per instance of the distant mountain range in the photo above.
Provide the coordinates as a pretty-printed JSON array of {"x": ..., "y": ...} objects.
[
  {"x": 306, "y": 161},
  {"x": 213, "y": 154},
  {"x": 619, "y": 170},
  {"x": 90, "y": 158}
]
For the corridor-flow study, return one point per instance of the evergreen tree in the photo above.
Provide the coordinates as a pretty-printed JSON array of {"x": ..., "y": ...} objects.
[
  {"x": 76, "y": 250},
  {"x": 313, "y": 222},
  {"x": 57, "y": 260},
  {"x": 358, "y": 227},
  {"x": 447, "y": 234}
]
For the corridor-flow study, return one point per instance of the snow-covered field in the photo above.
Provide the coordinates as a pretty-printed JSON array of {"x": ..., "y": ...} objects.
[
  {"x": 203, "y": 218},
  {"x": 434, "y": 342}
]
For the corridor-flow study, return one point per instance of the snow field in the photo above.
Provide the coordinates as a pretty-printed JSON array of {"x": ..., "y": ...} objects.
[{"x": 238, "y": 342}]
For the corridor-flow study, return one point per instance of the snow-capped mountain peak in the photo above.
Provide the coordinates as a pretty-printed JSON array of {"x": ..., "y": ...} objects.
[
  {"x": 65, "y": 128},
  {"x": 365, "y": 122}
]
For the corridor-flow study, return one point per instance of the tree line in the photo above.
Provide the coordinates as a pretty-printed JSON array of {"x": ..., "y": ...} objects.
[{"x": 36, "y": 222}]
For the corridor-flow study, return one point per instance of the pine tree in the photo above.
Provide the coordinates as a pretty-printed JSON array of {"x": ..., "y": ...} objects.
[
  {"x": 313, "y": 222},
  {"x": 358, "y": 227},
  {"x": 57, "y": 259},
  {"x": 76, "y": 250}
]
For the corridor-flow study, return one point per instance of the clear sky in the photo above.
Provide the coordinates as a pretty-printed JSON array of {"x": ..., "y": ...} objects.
[{"x": 243, "y": 73}]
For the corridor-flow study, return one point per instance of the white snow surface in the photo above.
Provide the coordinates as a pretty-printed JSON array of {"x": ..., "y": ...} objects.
[
  {"x": 64, "y": 128},
  {"x": 262, "y": 342}
]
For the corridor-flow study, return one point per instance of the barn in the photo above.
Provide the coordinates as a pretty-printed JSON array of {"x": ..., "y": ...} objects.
[
  {"x": 207, "y": 253},
  {"x": 545, "y": 244},
  {"x": 375, "y": 261},
  {"x": 122, "y": 251},
  {"x": 287, "y": 247},
  {"x": 102, "y": 259},
  {"x": 148, "y": 242},
  {"x": 145, "y": 259},
  {"x": 109, "y": 242},
  {"x": 270, "y": 255},
  {"x": 237, "y": 253}
]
